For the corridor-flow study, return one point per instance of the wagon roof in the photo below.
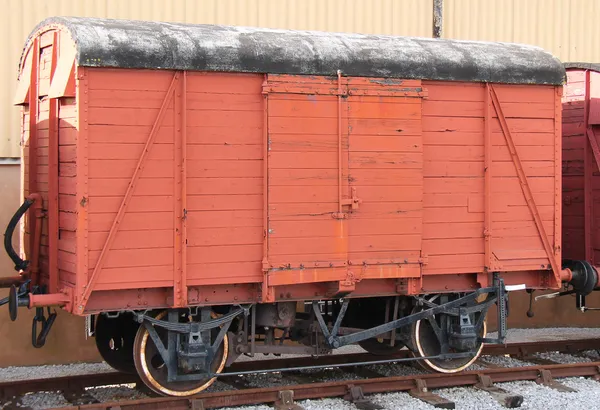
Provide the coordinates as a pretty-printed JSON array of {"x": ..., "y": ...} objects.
[
  {"x": 583, "y": 66},
  {"x": 158, "y": 45}
]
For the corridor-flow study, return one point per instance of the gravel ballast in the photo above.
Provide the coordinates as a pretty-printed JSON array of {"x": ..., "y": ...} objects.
[{"x": 535, "y": 396}]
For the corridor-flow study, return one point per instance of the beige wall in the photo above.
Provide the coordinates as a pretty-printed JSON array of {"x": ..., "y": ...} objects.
[{"x": 566, "y": 28}]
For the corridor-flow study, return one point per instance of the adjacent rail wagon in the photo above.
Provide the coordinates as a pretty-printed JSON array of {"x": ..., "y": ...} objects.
[
  {"x": 581, "y": 158},
  {"x": 187, "y": 185}
]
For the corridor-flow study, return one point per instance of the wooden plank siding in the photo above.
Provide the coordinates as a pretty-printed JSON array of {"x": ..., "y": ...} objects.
[
  {"x": 325, "y": 148},
  {"x": 574, "y": 140},
  {"x": 417, "y": 166},
  {"x": 453, "y": 126},
  {"x": 67, "y": 200},
  {"x": 224, "y": 187},
  {"x": 117, "y": 131}
]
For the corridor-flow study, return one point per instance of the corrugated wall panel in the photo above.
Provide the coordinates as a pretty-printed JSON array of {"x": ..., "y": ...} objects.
[
  {"x": 566, "y": 28},
  {"x": 401, "y": 17}
]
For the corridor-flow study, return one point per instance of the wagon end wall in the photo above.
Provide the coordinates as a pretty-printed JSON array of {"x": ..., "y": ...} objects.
[{"x": 581, "y": 156}]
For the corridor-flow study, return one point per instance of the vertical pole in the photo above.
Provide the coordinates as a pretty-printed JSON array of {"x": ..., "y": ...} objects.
[
  {"x": 179, "y": 257},
  {"x": 438, "y": 18},
  {"x": 82, "y": 180},
  {"x": 588, "y": 164},
  {"x": 487, "y": 143},
  {"x": 177, "y": 205},
  {"x": 558, "y": 173},
  {"x": 339, "y": 130},
  {"x": 32, "y": 221},
  {"x": 53, "y": 211},
  {"x": 184, "y": 288},
  {"x": 267, "y": 293}
]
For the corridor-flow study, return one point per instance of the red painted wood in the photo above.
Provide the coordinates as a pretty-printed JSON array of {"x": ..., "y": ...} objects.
[
  {"x": 580, "y": 182},
  {"x": 415, "y": 164}
]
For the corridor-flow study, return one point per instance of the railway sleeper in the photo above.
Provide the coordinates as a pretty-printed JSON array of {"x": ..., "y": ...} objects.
[
  {"x": 545, "y": 378},
  {"x": 356, "y": 396},
  {"x": 502, "y": 396},
  {"x": 421, "y": 392}
]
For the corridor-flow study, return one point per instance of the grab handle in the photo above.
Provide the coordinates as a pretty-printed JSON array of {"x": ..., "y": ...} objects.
[{"x": 20, "y": 264}]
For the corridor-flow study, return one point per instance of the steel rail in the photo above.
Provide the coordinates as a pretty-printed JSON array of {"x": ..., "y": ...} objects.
[
  {"x": 342, "y": 388},
  {"x": 521, "y": 349}
]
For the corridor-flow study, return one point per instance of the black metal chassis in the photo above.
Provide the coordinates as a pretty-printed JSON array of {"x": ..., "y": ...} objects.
[{"x": 200, "y": 345}]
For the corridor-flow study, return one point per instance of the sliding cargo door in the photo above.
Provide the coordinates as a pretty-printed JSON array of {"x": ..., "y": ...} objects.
[
  {"x": 344, "y": 180},
  {"x": 385, "y": 178},
  {"x": 307, "y": 154}
]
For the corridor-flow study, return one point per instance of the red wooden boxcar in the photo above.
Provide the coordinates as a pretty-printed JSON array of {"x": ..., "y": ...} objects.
[{"x": 231, "y": 172}]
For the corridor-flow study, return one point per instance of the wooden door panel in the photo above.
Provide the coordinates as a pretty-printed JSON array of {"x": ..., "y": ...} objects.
[{"x": 386, "y": 174}]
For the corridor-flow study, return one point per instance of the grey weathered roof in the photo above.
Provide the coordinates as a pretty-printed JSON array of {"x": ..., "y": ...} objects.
[
  {"x": 157, "y": 45},
  {"x": 583, "y": 66}
]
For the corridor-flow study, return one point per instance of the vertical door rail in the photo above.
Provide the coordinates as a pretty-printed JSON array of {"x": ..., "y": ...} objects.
[
  {"x": 267, "y": 292},
  {"x": 487, "y": 136},
  {"x": 339, "y": 131},
  {"x": 180, "y": 295},
  {"x": 557, "y": 173},
  {"x": 524, "y": 184},
  {"x": 53, "y": 212},
  {"x": 352, "y": 201},
  {"x": 591, "y": 153},
  {"x": 129, "y": 192}
]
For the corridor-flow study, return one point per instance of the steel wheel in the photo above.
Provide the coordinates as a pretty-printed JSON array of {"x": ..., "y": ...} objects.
[
  {"x": 114, "y": 340},
  {"x": 425, "y": 342},
  {"x": 153, "y": 372}
]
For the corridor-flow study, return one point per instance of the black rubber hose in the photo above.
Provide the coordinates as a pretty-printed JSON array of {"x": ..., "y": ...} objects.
[{"x": 20, "y": 264}]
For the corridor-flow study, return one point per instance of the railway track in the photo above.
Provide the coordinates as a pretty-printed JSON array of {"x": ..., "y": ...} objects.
[{"x": 240, "y": 392}]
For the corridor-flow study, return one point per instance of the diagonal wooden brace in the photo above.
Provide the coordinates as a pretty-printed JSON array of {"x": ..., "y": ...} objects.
[
  {"x": 594, "y": 144},
  {"x": 128, "y": 194},
  {"x": 524, "y": 184}
]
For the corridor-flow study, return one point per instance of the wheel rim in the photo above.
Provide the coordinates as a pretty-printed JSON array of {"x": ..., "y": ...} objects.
[
  {"x": 426, "y": 344},
  {"x": 153, "y": 374}
]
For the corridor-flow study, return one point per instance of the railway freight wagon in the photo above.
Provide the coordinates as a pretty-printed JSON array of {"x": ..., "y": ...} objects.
[
  {"x": 187, "y": 185},
  {"x": 581, "y": 159}
]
